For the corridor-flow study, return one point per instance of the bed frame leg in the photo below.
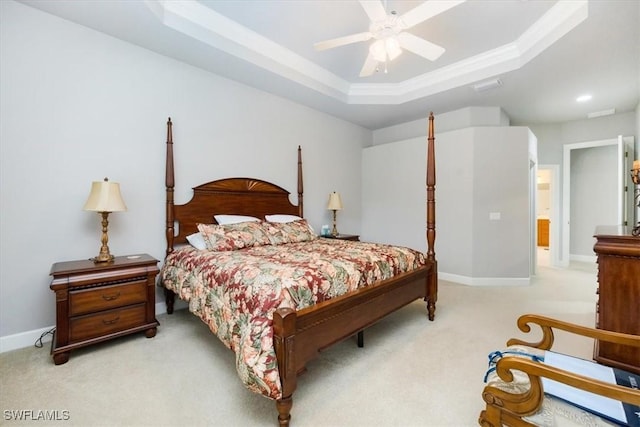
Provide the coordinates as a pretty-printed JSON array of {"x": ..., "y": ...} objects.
[
  {"x": 169, "y": 297},
  {"x": 284, "y": 337},
  {"x": 284, "y": 410},
  {"x": 431, "y": 308},
  {"x": 432, "y": 292}
]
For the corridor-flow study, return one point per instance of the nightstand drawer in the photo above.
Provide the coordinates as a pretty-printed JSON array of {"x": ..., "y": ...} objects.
[
  {"x": 106, "y": 322},
  {"x": 106, "y": 297}
]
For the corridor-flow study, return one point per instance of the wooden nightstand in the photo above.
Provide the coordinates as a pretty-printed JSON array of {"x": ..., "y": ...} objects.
[
  {"x": 353, "y": 237},
  {"x": 98, "y": 302}
]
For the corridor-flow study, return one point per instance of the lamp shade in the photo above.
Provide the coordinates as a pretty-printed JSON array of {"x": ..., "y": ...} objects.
[
  {"x": 105, "y": 197},
  {"x": 335, "y": 202}
]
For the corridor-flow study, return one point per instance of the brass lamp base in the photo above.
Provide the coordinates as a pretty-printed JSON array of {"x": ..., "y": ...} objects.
[
  {"x": 104, "y": 256},
  {"x": 102, "y": 259},
  {"x": 334, "y": 231}
]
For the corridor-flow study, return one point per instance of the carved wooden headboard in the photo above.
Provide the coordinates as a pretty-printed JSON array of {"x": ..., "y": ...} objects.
[{"x": 236, "y": 196}]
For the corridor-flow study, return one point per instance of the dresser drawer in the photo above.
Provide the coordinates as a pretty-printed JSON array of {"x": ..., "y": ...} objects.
[
  {"x": 106, "y": 322},
  {"x": 106, "y": 297}
]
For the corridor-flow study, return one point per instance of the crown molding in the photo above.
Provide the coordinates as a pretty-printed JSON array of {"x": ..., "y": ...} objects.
[{"x": 199, "y": 22}]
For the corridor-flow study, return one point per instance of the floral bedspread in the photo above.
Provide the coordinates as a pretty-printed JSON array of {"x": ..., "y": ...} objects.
[{"x": 235, "y": 292}]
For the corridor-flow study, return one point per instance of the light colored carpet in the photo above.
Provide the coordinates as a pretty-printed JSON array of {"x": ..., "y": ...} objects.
[{"x": 411, "y": 372}]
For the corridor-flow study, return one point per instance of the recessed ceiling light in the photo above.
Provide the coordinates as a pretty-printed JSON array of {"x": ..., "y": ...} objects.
[{"x": 583, "y": 98}]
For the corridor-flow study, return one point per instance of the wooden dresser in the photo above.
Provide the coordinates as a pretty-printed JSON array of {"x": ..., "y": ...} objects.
[
  {"x": 97, "y": 302},
  {"x": 618, "y": 307}
]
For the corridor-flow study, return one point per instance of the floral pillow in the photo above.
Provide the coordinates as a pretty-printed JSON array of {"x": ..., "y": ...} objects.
[
  {"x": 230, "y": 237},
  {"x": 289, "y": 232}
]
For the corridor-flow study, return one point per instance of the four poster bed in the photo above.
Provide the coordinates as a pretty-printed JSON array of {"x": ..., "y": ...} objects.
[{"x": 274, "y": 292}]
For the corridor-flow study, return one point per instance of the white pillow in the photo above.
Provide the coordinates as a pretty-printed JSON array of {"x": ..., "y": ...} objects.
[
  {"x": 234, "y": 219},
  {"x": 197, "y": 241},
  {"x": 282, "y": 218}
]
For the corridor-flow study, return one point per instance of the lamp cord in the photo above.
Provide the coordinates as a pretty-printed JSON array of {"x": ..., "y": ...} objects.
[{"x": 39, "y": 343}]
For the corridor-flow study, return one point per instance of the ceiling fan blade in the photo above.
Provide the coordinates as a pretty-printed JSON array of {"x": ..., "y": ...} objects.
[
  {"x": 374, "y": 10},
  {"x": 341, "y": 41},
  {"x": 369, "y": 67},
  {"x": 427, "y": 10},
  {"x": 420, "y": 46}
]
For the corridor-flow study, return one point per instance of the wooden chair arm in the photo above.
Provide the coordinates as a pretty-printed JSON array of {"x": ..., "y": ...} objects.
[
  {"x": 529, "y": 402},
  {"x": 547, "y": 324}
]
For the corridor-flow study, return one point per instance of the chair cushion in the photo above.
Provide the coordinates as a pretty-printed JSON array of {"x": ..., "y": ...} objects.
[{"x": 554, "y": 411}]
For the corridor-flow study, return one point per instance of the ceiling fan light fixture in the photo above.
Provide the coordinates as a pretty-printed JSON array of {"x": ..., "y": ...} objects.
[
  {"x": 392, "y": 46},
  {"x": 387, "y": 48},
  {"x": 378, "y": 51}
]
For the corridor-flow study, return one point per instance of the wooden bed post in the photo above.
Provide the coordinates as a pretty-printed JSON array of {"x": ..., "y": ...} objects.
[
  {"x": 284, "y": 333},
  {"x": 432, "y": 280},
  {"x": 170, "y": 184},
  {"x": 300, "y": 189}
]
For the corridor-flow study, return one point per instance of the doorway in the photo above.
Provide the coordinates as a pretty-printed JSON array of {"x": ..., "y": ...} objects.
[
  {"x": 547, "y": 213},
  {"x": 603, "y": 178}
]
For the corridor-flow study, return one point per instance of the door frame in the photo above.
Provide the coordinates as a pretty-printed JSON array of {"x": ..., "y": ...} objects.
[{"x": 566, "y": 188}]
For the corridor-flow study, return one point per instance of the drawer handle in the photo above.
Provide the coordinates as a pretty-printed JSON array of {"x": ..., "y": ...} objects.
[
  {"x": 111, "y": 297},
  {"x": 111, "y": 322}
]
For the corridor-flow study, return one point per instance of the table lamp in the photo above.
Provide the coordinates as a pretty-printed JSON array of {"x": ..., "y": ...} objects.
[
  {"x": 335, "y": 204},
  {"x": 104, "y": 198}
]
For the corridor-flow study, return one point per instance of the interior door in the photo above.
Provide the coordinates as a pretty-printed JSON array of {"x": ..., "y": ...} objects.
[{"x": 576, "y": 218}]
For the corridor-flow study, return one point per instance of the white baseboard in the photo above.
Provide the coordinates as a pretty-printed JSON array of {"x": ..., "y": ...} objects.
[
  {"x": 485, "y": 281},
  {"x": 24, "y": 339},
  {"x": 29, "y": 338},
  {"x": 584, "y": 258}
]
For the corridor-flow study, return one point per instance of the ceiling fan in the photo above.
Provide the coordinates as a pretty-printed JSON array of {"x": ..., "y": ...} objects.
[{"x": 389, "y": 32}]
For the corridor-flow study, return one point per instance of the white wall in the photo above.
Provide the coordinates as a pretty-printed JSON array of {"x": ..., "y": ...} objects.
[
  {"x": 501, "y": 184},
  {"x": 479, "y": 171},
  {"x": 77, "y": 105},
  {"x": 451, "y": 120}
]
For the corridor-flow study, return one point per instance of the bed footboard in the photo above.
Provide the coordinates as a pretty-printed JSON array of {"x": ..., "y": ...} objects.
[{"x": 300, "y": 336}]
